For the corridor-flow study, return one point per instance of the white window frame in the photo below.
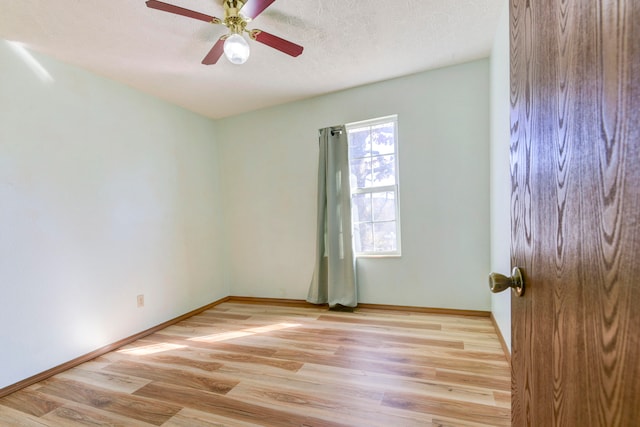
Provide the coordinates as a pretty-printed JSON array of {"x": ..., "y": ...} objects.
[{"x": 395, "y": 188}]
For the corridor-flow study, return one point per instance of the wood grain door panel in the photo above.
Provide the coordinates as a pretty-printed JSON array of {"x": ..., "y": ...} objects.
[{"x": 575, "y": 170}]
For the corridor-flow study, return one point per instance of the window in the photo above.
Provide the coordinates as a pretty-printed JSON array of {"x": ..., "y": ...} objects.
[{"x": 373, "y": 163}]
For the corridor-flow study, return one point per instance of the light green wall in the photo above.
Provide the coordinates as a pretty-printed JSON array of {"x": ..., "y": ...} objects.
[
  {"x": 106, "y": 193},
  {"x": 269, "y": 172},
  {"x": 500, "y": 175}
]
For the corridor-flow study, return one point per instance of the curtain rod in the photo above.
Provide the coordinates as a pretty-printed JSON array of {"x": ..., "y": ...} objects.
[{"x": 334, "y": 130}]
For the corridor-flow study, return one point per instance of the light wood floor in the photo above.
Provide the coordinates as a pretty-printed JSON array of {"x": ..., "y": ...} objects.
[{"x": 264, "y": 365}]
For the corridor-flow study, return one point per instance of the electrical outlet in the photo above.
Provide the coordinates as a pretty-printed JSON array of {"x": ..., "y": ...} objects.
[{"x": 140, "y": 299}]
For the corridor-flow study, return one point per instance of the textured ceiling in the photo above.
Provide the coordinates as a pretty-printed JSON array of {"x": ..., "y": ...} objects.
[{"x": 347, "y": 43}]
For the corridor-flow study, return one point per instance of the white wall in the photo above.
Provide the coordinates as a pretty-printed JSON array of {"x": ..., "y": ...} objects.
[
  {"x": 108, "y": 193},
  {"x": 270, "y": 167},
  {"x": 105, "y": 194},
  {"x": 500, "y": 176}
]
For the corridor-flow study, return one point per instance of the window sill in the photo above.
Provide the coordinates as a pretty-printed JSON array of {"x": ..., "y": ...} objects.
[{"x": 394, "y": 255}]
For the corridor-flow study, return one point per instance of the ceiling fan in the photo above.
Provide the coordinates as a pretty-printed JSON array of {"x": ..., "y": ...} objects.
[{"x": 237, "y": 14}]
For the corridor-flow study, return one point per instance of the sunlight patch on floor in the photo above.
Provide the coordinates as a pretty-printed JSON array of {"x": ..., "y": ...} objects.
[
  {"x": 150, "y": 349},
  {"x": 244, "y": 333}
]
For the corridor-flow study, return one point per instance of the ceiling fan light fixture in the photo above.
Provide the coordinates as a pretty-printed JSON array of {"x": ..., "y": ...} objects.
[
  {"x": 236, "y": 49},
  {"x": 237, "y": 13}
]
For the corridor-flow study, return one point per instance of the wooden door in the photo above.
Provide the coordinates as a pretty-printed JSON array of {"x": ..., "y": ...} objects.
[{"x": 575, "y": 166}]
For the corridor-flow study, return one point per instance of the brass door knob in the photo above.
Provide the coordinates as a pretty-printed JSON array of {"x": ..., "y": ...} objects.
[{"x": 499, "y": 282}]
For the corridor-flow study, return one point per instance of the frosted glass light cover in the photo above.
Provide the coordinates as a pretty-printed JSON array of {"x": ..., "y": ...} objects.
[{"x": 236, "y": 49}]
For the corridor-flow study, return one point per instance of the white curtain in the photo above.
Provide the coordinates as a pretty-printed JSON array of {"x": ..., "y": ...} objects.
[{"x": 334, "y": 277}]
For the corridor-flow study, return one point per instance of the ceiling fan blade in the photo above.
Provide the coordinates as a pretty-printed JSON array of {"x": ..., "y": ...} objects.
[
  {"x": 253, "y": 8},
  {"x": 215, "y": 53},
  {"x": 277, "y": 43},
  {"x": 154, "y": 4}
]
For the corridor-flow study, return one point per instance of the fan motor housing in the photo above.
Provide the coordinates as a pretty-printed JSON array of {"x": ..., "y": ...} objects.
[
  {"x": 232, "y": 18},
  {"x": 232, "y": 8}
]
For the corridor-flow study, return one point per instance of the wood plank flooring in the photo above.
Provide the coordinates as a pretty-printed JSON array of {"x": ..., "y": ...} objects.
[{"x": 242, "y": 365}]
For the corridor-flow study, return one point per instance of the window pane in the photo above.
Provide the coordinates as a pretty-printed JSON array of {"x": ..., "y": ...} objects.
[
  {"x": 359, "y": 143},
  {"x": 384, "y": 170},
  {"x": 374, "y": 185},
  {"x": 383, "y": 139},
  {"x": 363, "y": 237},
  {"x": 384, "y": 206},
  {"x": 361, "y": 208},
  {"x": 385, "y": 236},
  {"x": 361, "y": 175}
]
